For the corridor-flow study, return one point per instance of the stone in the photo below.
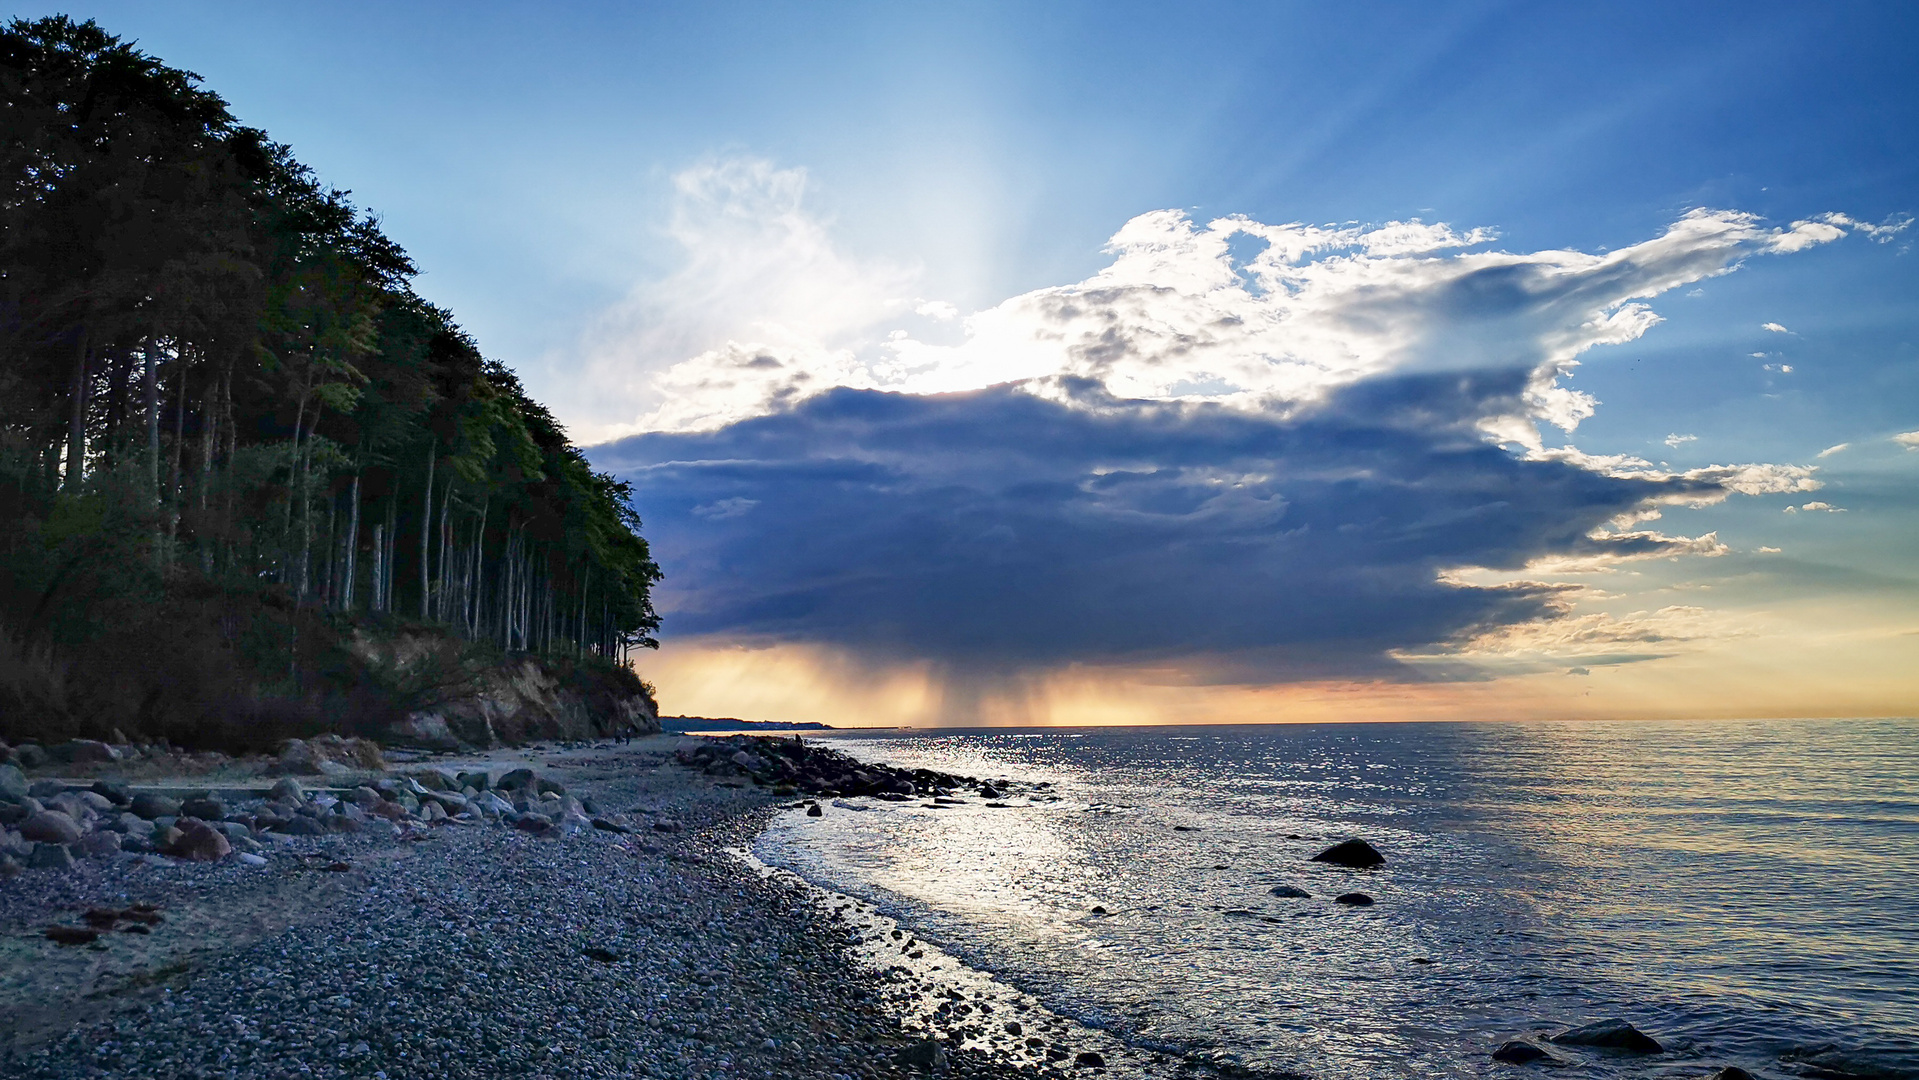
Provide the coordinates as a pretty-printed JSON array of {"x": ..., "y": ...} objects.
[
  {"x": 205, "y": 808},
  {"x": 1731, "y": 1072},
  {"x": 13, "y": 784},
  {"x": 1520, "y": 1052},
  {"x": 492, "y": 804},
  {"x": 1013, "y": 1028},
  {"x": 50, "y": 827},
  {"x": 1613, "y": 1034},
  {"x": 1354, "y": 899},
  {"x": 666, "y": 825},
  {"x": 288, "y": 789},
  {"x": 341, "y": 823},
  {"x": 475, "y": 780},
  {"x": 86, "y": 752},
  {"x": 1355, "y": 854},
  {"x": 14, "y": 813},
  {"x": 435, "y": 780},
  {"x": 200, "y": 842},
  {"x": 100, "y": 845},
  {"x": 46, "y": 789},
  {"x": 302, "y": 825},
  {"x": 926, "y": 1055},
  {"x": 549, "y": 787},
  {"x": 116, "y": 793},
  {"x": 72, "y": 935},
  {"x": 333, "y": 769},
  {"x": 50, "y": 857},
  {"x": 364, "y": 797},
  {"x": 431, "y": 810},
  {"x": 149, "y": 805},
  {"x": 130, "y": 823},
  {"x": 813, "y": 810},
  {"x": 250, "y": 859},
  {"x": 30, "y": 755},
  {"x": 513, "y": 781},
  {"x": 1290, "y": 892},
  {"x": 609, "y": 826},
  {"x": 533, "y": 823},
  {"x": 1090, "y": 1059}
]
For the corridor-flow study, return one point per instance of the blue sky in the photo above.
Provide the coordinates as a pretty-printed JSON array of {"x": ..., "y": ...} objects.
[{"x": 896, "y": 200}]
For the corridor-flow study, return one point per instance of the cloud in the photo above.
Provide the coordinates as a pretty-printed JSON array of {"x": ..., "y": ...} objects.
[
  {"x": 1775, "y": 328},
  {"x": 764, "y": 308},
  {"x": 1274, "y": 452},
  {"x": 999, "y": 530},
  {"x": 1784, "y": 369},
  {"x": 1907, "y": 439},
  {"x": 1833, "y": 449},
  {"x": 1676, "y": 440},
  {"x": 1763, "y": 550},
  {"x": 1816, "y": 508},
  {"x": 1177, "y": 315}
]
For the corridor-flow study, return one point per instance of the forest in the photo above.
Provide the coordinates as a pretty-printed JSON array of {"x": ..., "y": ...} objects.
[{"x": 236, "y": 446}]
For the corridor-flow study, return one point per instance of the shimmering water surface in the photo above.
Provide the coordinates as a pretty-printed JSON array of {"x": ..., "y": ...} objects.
[{"x": 1747, "y": 892}]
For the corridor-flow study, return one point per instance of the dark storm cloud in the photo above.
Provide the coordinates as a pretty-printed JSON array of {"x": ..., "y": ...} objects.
[{"x": 997, "y": 529}]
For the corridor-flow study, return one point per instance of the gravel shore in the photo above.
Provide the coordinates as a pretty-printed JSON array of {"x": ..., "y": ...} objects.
[{"x": 483, "y": 950}]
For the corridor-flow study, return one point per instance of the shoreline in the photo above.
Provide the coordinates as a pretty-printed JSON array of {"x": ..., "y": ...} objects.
[{"x": 481, "y": 949}]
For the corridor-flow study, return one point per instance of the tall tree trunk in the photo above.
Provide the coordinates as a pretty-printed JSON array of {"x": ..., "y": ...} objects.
[
  {"x": 352, "y": 546},
  {"x": 426, "y": 534},
  {"x": 150, "y": 379},
  {"x": 174, "y": 500},
  {"x": 77, "y": 423}
]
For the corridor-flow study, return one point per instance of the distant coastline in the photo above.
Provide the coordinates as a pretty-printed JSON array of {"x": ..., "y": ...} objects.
[{"x": 727, "y": 723}]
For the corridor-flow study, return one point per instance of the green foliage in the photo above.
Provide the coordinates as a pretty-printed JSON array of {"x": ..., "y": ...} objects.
[{"x": 221, "y": 403}]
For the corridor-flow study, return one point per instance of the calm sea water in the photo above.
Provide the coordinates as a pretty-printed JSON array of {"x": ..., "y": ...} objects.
[{"x": 1746, "y": 892}]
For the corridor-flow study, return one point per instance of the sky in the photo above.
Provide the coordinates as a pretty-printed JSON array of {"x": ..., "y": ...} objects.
[{"x": 1121, "y": 363}]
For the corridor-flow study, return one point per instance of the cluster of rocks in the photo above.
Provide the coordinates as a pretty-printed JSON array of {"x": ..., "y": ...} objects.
[
  {"x": 1614, "y": 1035},
  {"x": 48, "y": 823},
  {"x": 790, "y": 766}
]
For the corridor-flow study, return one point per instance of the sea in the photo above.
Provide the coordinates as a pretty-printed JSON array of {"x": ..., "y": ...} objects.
[{"x": 1745, "y": 892}]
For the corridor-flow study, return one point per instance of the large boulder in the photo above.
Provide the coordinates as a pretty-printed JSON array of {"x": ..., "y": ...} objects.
[
  {"x": 1521, "y": 1052},
  {"x": 1613, "y": 1034},
  {"x": 50, "y": 827},
  {"x": 286, "y": 789},
  {"x": 150, "y": 805},
  {"x": 13, "y": 784},
  {"x": 100, "y": 845},
  {"x": 515, "y": 780},
  {"x": 114, "y": 792},
  {"x": 51, "y": 857},
  {"x": 206, "y": 808},
  {"x": 200, "y": 842},
  {"x": 1355, "y": 854},
  {"x": 85, "y": 752}
]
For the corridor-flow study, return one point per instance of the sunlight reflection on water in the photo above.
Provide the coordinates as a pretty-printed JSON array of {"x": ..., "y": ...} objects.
[{"x": 1737, "y": 889}]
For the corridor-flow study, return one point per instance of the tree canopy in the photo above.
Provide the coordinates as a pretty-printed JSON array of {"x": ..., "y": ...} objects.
[{"x": 215, "y": 374}]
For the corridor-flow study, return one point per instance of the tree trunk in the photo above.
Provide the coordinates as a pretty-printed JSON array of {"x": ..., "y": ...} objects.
[
  {"x": 352, "y": 547},
  {"x": 77, "y": 424},
  {"x": 426, "y": 533}
]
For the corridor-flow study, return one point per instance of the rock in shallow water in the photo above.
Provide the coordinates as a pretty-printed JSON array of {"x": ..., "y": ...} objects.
[
  {"x": 1613, "y": 1034},
  {"x": 1520, "y": 1052},
  {"x": 1354, "y": 899},
  {"x": 1290, "y": 892},
  {"x": 1356, "y": 854}
]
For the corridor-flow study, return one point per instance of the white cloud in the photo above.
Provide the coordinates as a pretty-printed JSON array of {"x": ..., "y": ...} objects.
[
  {"x": 1907, "y": 439},
  {"x": 1783, "y": 369},
  {"x": 765, "y": 307},
  {"x": 1174, "y": 316},
  {"x": 1775, "y": 328},
  {"x": 1763, "y": 550},
  {"x": 937, "y": 309},
  {"x": 1676, "y": 440},
  {"x": 1816, "y": 507},
  {"x": 1591, "y": 636},
  {"x": 1834, "y": 449},
  {"x": 722, "y": 509}
]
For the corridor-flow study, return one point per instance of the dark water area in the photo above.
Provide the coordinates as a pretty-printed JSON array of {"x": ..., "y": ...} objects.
[{"x": 1747, "y": 892}]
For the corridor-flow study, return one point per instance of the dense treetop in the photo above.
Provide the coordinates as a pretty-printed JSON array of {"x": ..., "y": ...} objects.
[{"x": 215, "y": 375}]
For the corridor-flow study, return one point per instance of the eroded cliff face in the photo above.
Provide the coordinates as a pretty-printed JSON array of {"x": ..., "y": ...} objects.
[
  {"x": 525, "y": 701},
  {"x": 464, "y": 702}
]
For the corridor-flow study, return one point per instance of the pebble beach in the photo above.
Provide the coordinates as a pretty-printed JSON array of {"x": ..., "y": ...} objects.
[{"x": 622, "y": 933}]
